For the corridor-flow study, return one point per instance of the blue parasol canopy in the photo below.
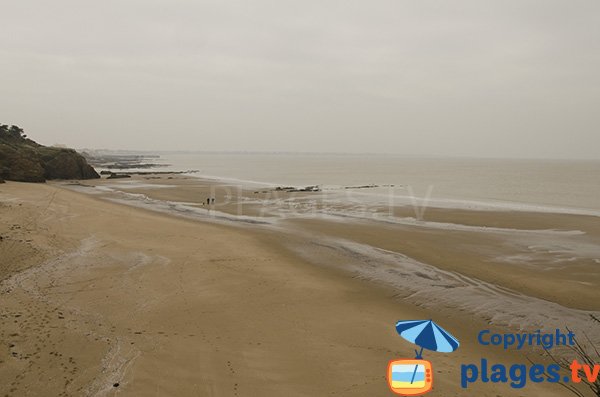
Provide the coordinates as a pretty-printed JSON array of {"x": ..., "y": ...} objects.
[{"x": 427, "y": 334}]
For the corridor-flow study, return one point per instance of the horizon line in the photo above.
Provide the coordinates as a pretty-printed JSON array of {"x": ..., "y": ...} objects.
[{"x": 313, "y": 153}]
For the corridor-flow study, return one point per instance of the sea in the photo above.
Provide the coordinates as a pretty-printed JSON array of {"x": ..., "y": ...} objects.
[{"x": 561, "y": 186}]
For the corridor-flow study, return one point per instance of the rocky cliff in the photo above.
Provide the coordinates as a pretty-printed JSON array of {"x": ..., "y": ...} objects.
[{"x": 22, "y": 159}]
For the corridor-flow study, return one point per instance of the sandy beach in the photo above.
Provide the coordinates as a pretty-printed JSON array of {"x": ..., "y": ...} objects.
[
  {"x": 300, "y": 199},
  {"x": 101, "y": 298},
  {"x": 523, "y": 251}
]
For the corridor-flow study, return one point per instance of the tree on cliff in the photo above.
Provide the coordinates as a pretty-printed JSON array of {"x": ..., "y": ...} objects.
[{"x": 12, "y": 132}]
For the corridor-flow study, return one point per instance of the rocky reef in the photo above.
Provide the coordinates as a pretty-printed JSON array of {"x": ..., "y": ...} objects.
[{"x": 24, "y": 160}]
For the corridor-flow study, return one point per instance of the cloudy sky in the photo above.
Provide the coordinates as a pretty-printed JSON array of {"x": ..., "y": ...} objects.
[{"x": 462, "y": 78}]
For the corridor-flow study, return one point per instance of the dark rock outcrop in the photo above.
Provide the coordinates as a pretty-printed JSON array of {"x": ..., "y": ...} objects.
[
  {"x": 24, "y": 160},
  {"x": 118, "y": 176}
]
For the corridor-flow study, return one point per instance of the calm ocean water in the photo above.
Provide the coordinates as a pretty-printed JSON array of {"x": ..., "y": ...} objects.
[{"x": 518, "y": 184}]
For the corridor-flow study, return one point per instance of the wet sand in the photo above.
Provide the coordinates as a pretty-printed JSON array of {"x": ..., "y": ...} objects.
[
  {"x": 550, "y": 256},
  {"x": 101, "y": 298}
]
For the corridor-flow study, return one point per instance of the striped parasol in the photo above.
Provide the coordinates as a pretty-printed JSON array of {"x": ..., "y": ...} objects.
[{"x": 427, "y": 335}]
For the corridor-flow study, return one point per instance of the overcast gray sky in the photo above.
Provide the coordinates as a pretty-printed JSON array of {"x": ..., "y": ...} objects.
[{"x": 477, "y": 78}]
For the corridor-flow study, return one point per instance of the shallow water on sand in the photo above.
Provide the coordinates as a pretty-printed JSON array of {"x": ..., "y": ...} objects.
[{"x": 559, "y": 185}]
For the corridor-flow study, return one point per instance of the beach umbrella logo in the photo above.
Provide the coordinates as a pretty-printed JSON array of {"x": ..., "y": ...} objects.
[{"x": 412, "y": 377}]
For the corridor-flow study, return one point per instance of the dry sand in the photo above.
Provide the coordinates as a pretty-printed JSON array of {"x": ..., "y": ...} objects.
[{"x": 97, "y": 294}]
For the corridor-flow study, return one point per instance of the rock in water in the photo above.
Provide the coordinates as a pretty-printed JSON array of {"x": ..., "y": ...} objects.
[{"x": 118, "y": 176}]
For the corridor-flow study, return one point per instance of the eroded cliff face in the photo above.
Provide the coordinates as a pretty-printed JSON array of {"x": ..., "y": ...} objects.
[{"x": 24, "y": 160}]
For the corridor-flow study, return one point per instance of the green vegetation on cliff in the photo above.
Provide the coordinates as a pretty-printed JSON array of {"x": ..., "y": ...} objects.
[{"x": 24, "y": 160}]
